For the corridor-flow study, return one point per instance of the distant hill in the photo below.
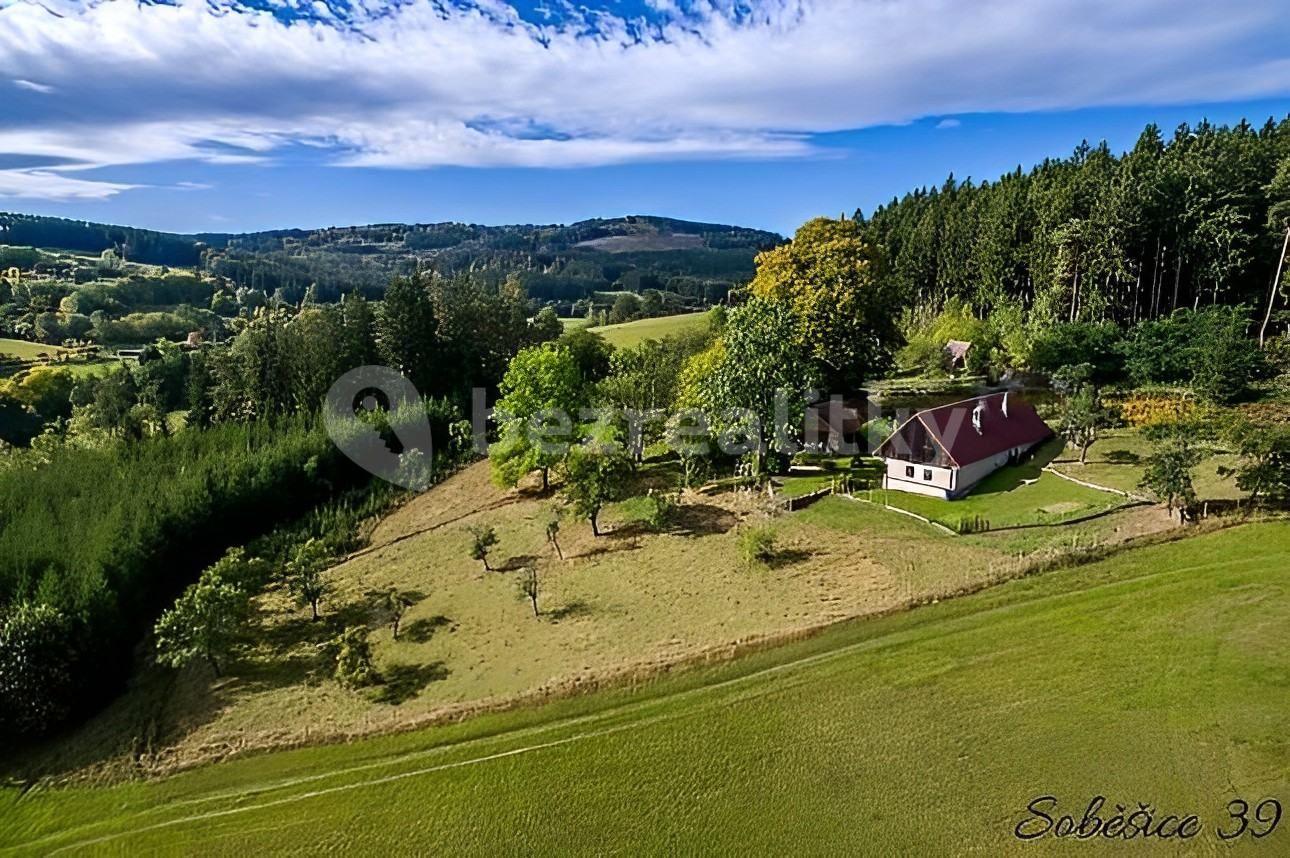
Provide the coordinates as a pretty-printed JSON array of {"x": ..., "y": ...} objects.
[{"x": 558, "y": 263}]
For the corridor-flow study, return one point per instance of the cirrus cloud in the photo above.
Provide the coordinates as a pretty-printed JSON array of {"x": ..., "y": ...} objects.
[{"x": 427, "y": 83}]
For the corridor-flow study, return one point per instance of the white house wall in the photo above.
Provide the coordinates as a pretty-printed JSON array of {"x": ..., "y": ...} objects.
[
  {"x": 940, "y": 485},
  {"x": 945, "y": 482}
]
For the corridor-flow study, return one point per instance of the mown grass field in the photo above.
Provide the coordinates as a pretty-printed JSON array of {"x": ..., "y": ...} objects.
[
  {"x": 1159, "y": 675},
  {"x": 631, "y": 333}
]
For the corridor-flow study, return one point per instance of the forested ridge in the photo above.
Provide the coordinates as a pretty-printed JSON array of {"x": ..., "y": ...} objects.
[
  {"x": 698, "y": 262},
  {"x": 1182, "y": 221}
]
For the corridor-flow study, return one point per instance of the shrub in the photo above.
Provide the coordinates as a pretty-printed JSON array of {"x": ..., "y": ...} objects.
[
  {"x": 35, "y": 668},
  {"x": 354, "y": 659},
  {"x": 757, "y": 546}
]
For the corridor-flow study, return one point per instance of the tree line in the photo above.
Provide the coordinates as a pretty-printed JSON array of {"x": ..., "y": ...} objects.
[{"x": 1197, "y": 219}]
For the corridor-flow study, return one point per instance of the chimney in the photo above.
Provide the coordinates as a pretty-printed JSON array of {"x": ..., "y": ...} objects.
[
  {"x": 1005, "y": 403},
  {"x": 976, "y": 417}
]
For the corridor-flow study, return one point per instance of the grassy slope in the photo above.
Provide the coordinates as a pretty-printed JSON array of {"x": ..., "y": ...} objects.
[
  {"x": 631, "y": 333},
  {"x": 630, "y": 600},
  {"x": 1159, "y": 675}
]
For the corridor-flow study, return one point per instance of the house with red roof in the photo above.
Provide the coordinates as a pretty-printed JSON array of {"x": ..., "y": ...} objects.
[{"x": 943, "y": 452}]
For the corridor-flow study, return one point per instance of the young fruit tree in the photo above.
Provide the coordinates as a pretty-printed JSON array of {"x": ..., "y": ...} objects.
[
  {"x": 553, "y": 534},
  {"x": 529, "y": 587},
  {"x": 1169, "y": 473},
  {"x": 304, "y": 575},
  {"x": 595, "y": 474},
  {"x": 1082, "y": 412},
  {"x": 396, "y": 604},
  {"x": 482, "y": 539}
]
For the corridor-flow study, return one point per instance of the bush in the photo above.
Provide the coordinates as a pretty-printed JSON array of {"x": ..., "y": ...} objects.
[
  {"x": 354, "y": 659},
  {"x": 757, "y": 546},
  {"x": 1099, "y": 345}
]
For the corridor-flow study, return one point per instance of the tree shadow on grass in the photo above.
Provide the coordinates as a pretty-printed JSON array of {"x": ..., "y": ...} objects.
[
  {"x": 787, "y": 557},
  {"x": 569, "y": 610},
  {"x": 402, "y": 682},
  {"x": 1122, "y": 457},
  {"x": 609, "y": 543},
  {"x": 422, "y": 630},
  {"x": 702, "y": 519},
  {"x": 516, "y": 563}
]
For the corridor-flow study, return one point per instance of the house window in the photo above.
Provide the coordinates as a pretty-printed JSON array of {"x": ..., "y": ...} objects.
[
  {"x": 909, "y": 471},
  {"x": 927, "y": 474}
]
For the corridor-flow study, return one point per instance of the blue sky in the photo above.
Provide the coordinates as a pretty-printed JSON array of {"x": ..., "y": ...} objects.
[{"x": 226, "y": 116}]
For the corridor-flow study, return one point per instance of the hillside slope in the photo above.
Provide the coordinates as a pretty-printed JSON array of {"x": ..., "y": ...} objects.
[{"x": 1157, "y": 676}]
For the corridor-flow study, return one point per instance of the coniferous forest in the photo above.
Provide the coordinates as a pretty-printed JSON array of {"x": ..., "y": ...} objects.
[{"x": 1182, "y": 220}]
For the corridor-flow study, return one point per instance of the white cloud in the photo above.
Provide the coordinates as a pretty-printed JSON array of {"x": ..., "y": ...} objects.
[
  {"x": 948, "y": 122},
  {"x": 49, "y": 185},
  {"x": 427, "y": 84},
  {"x": 31, "y": 85}
]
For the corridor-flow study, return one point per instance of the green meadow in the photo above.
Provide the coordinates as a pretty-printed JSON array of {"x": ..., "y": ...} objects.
[{"x": 1159, "y": 676}]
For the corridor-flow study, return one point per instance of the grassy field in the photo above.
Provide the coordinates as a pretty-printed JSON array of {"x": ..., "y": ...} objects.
[
  {"x": 1022, "y": 494},
  {"x": 24, "y": 349},
  {"x": 1116, "y": 460},
  {"x": 1157, "y": 676},
  {"x": 630, "y": 333}
]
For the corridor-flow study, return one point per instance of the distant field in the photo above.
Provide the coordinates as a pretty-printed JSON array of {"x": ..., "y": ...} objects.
[
  {"x": 644, "y": 241},
  {"x": 1156, "y": 676},
  {"x": 23, "y": 349},
  {"x": 630, "y": 333},
  {"x": 573, "y": 324}
]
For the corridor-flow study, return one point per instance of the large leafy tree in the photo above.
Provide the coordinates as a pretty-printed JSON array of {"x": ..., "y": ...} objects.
[
  {"x": 203, "y": 623},
  {"x": 406, "y": 331},
  {"x": 756, "y": 383},
  {"x": 542, "y": 395},
  {"x": 595, "y": 474},
  {"x": 305, "y": 575},
  {"x": 844, "y": 316}
]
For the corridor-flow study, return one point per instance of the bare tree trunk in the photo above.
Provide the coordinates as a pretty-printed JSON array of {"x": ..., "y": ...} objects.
[
  {"x": 1177, "y": 279},
  {"x": 595, "y": 528},
  {"x": 1276, "y": 287}
]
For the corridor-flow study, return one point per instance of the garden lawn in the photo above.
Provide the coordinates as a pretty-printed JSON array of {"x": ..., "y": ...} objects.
[
  {"x": 1159, "y": 675},
  {"x": 1007, "y": 498}
]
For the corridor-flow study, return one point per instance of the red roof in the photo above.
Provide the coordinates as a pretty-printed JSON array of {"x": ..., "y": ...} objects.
[{"x": 950, "y": 434}]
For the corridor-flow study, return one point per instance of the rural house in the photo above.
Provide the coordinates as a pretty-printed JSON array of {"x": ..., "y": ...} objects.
[{"x": 945, "y": 451}]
